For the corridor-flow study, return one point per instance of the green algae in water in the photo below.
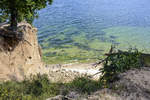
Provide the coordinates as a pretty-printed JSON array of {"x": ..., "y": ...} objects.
[
  {"x": 83, "y": 30},
  {"x": 78, "y": 49},
  {"x": 69, "y": 54},
  {"x": 82, "y": 50},
  {"x": 130, "y": 36}
]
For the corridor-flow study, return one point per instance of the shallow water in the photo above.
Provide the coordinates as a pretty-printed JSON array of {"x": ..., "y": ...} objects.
[{"x": 83, "y": 30}]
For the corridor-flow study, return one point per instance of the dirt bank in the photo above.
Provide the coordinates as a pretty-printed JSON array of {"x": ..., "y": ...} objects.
[{"x": 19, "y": 52}]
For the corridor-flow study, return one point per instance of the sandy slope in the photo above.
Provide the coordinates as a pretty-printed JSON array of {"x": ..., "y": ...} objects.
[
  {"x": 67, "y": 72},
  {"x": 133, "y": 85}
]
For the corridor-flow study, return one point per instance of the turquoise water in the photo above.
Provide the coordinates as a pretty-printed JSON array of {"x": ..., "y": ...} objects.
[{"x": 83, "y": 30}]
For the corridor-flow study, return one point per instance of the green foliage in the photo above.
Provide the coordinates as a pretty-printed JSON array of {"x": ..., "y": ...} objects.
[
  {"x": 36, "y": 88},
  {"x": 3, "y": 18},
  {"x": 120, "y": 62},
  {"x": 18, "y": 10},
  {"x": 10, "y": 91},
  {"x": 84, "y": 85},
  {"x": 37, "y": 85},
  {"x": 39, "y": 88}
]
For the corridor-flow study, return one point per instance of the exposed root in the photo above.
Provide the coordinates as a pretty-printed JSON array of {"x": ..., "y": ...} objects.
[{"x": 11, "y": 39}]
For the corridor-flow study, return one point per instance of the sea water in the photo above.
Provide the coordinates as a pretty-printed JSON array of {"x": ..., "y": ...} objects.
[{"x": 83, "y": 30}]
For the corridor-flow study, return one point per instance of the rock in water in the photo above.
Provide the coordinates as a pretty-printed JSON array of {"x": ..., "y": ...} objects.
[{"x": 20, "y": 58}]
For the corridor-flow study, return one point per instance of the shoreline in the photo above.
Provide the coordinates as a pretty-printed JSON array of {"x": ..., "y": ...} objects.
[{"x": 68, "y": 72}]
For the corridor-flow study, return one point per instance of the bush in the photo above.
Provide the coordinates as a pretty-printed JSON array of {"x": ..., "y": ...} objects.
[
  {"x": 10, "y": 91},
  {"x": 84, "y": 85},
  {"x": 37, "y": 85},
  {"x": 119, "y": 62},
  {"x": 36, "y": 88},
  {"x": 39, "y": 88}
]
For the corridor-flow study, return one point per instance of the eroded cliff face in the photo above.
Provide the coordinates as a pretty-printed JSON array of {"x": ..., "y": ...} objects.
[{"x": 19, "y": 56}]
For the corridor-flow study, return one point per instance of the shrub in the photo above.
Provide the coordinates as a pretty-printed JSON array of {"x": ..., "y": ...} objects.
[
  {"x": 36, "y": 88},
  {"x": 84, "y": 85},
  {"x": 119, "y": 62},
  {"x": 37, "y": 85},
  {"x": 10, "y": 91}
]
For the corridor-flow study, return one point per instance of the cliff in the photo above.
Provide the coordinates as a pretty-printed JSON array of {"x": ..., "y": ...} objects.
[{"x": 20, "y": 53}]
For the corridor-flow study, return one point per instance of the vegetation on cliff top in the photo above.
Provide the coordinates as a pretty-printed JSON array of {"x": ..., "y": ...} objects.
[{"x": 19, "y": 10}]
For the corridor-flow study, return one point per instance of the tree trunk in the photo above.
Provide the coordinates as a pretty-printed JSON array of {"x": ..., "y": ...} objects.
[{"x": 13, "y": 20}]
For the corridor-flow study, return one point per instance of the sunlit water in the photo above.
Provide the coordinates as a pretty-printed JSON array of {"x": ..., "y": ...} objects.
[{"x": 83, "y": 30}]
